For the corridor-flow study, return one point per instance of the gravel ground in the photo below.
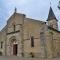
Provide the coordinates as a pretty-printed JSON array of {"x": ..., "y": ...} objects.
[{"x": 18, "y": 58}]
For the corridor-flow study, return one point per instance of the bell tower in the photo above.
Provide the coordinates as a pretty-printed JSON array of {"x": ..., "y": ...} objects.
[{"x": 51, "y": 20}]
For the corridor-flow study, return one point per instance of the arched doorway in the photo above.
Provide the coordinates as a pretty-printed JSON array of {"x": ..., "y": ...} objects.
[{"x": 15, "y": 46}]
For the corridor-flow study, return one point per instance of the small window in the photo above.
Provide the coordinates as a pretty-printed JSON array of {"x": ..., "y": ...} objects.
[
  {"x": 32, "y": 41},
  {"x": 14, "y": 27},
  {"x": 1, "y": 44}
]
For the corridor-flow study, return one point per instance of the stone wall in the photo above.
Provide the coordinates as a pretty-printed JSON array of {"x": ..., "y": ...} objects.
[
  {"x": 52, "y": 46},
  {"x": 32, "y": 28}
]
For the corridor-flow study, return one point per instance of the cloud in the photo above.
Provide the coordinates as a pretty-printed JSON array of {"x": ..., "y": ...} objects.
[{"x": 36, "y": 9}]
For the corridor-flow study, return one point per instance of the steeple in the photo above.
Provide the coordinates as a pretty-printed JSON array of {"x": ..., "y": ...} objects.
[{"x": 51, "y": 15}]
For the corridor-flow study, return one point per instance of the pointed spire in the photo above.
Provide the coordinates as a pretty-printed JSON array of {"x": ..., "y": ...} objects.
[{"x": 51, "y": 14}]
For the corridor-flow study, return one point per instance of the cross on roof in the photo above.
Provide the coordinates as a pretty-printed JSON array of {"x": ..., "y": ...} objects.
[{"x": 15, "y": 9}]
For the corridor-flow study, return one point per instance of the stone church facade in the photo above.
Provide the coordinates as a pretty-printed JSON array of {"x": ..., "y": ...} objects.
[{"x": 25, "y": 37}]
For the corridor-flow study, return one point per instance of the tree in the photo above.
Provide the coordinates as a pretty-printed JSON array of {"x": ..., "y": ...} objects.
[{"x": 59, "y": 5}]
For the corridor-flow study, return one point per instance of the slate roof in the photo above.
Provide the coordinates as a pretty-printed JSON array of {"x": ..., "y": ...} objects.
[{"x": 51, "y": 15}]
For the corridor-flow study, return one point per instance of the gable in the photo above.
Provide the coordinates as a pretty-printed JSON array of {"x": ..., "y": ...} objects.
[{"x": 16, "y": 18}]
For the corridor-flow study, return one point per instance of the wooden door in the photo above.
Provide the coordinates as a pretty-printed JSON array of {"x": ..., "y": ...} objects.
[{"x": 15, "y": 49}]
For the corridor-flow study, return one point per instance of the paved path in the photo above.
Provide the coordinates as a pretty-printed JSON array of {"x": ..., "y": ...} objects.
[{"x": 18, "y": 58}]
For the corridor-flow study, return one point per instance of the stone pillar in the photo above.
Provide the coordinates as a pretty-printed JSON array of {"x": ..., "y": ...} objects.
[
  {"x": 5, "y": 42},
  {"x": 21, "y": 44},
  {"x": 42, "y": 45},
  {"x": 42, "y": 41},
  {"x": 8, "y": 47}
]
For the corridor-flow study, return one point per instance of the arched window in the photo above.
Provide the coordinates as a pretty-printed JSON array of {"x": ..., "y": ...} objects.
[
  {"x": 52, "y": 41},
  {"x": 32, "y": 41}
]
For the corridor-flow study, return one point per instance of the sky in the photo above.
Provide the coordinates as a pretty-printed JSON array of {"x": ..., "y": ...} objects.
[{"x": 35, "y": 9}]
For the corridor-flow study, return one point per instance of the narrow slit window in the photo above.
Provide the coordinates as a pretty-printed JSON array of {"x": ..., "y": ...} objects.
[
  {"x": 32, "y": 42},
  {"x": 1, "y": 44},
  {"x": 14, "y": 27}
]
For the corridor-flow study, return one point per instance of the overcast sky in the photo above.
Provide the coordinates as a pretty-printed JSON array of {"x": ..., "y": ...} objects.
[{"x": 36, "y": 9}]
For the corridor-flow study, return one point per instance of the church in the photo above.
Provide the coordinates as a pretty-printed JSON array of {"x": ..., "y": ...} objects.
[{"x": 26, "y": 37}]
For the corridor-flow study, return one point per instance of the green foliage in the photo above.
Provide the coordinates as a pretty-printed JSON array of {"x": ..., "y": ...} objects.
[
  {"x": 22, "y": 54},
  {"x": 31, "y": 54},
  {"x": 0, "y": 53},
  {"x": 59, "y": 5}
]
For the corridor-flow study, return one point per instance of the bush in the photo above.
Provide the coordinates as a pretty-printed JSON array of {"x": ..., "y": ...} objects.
[
  {"x": 22, "y": 54},
  {"x": 31, "y": 54},
  {"x": 0, "y": 53}
]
